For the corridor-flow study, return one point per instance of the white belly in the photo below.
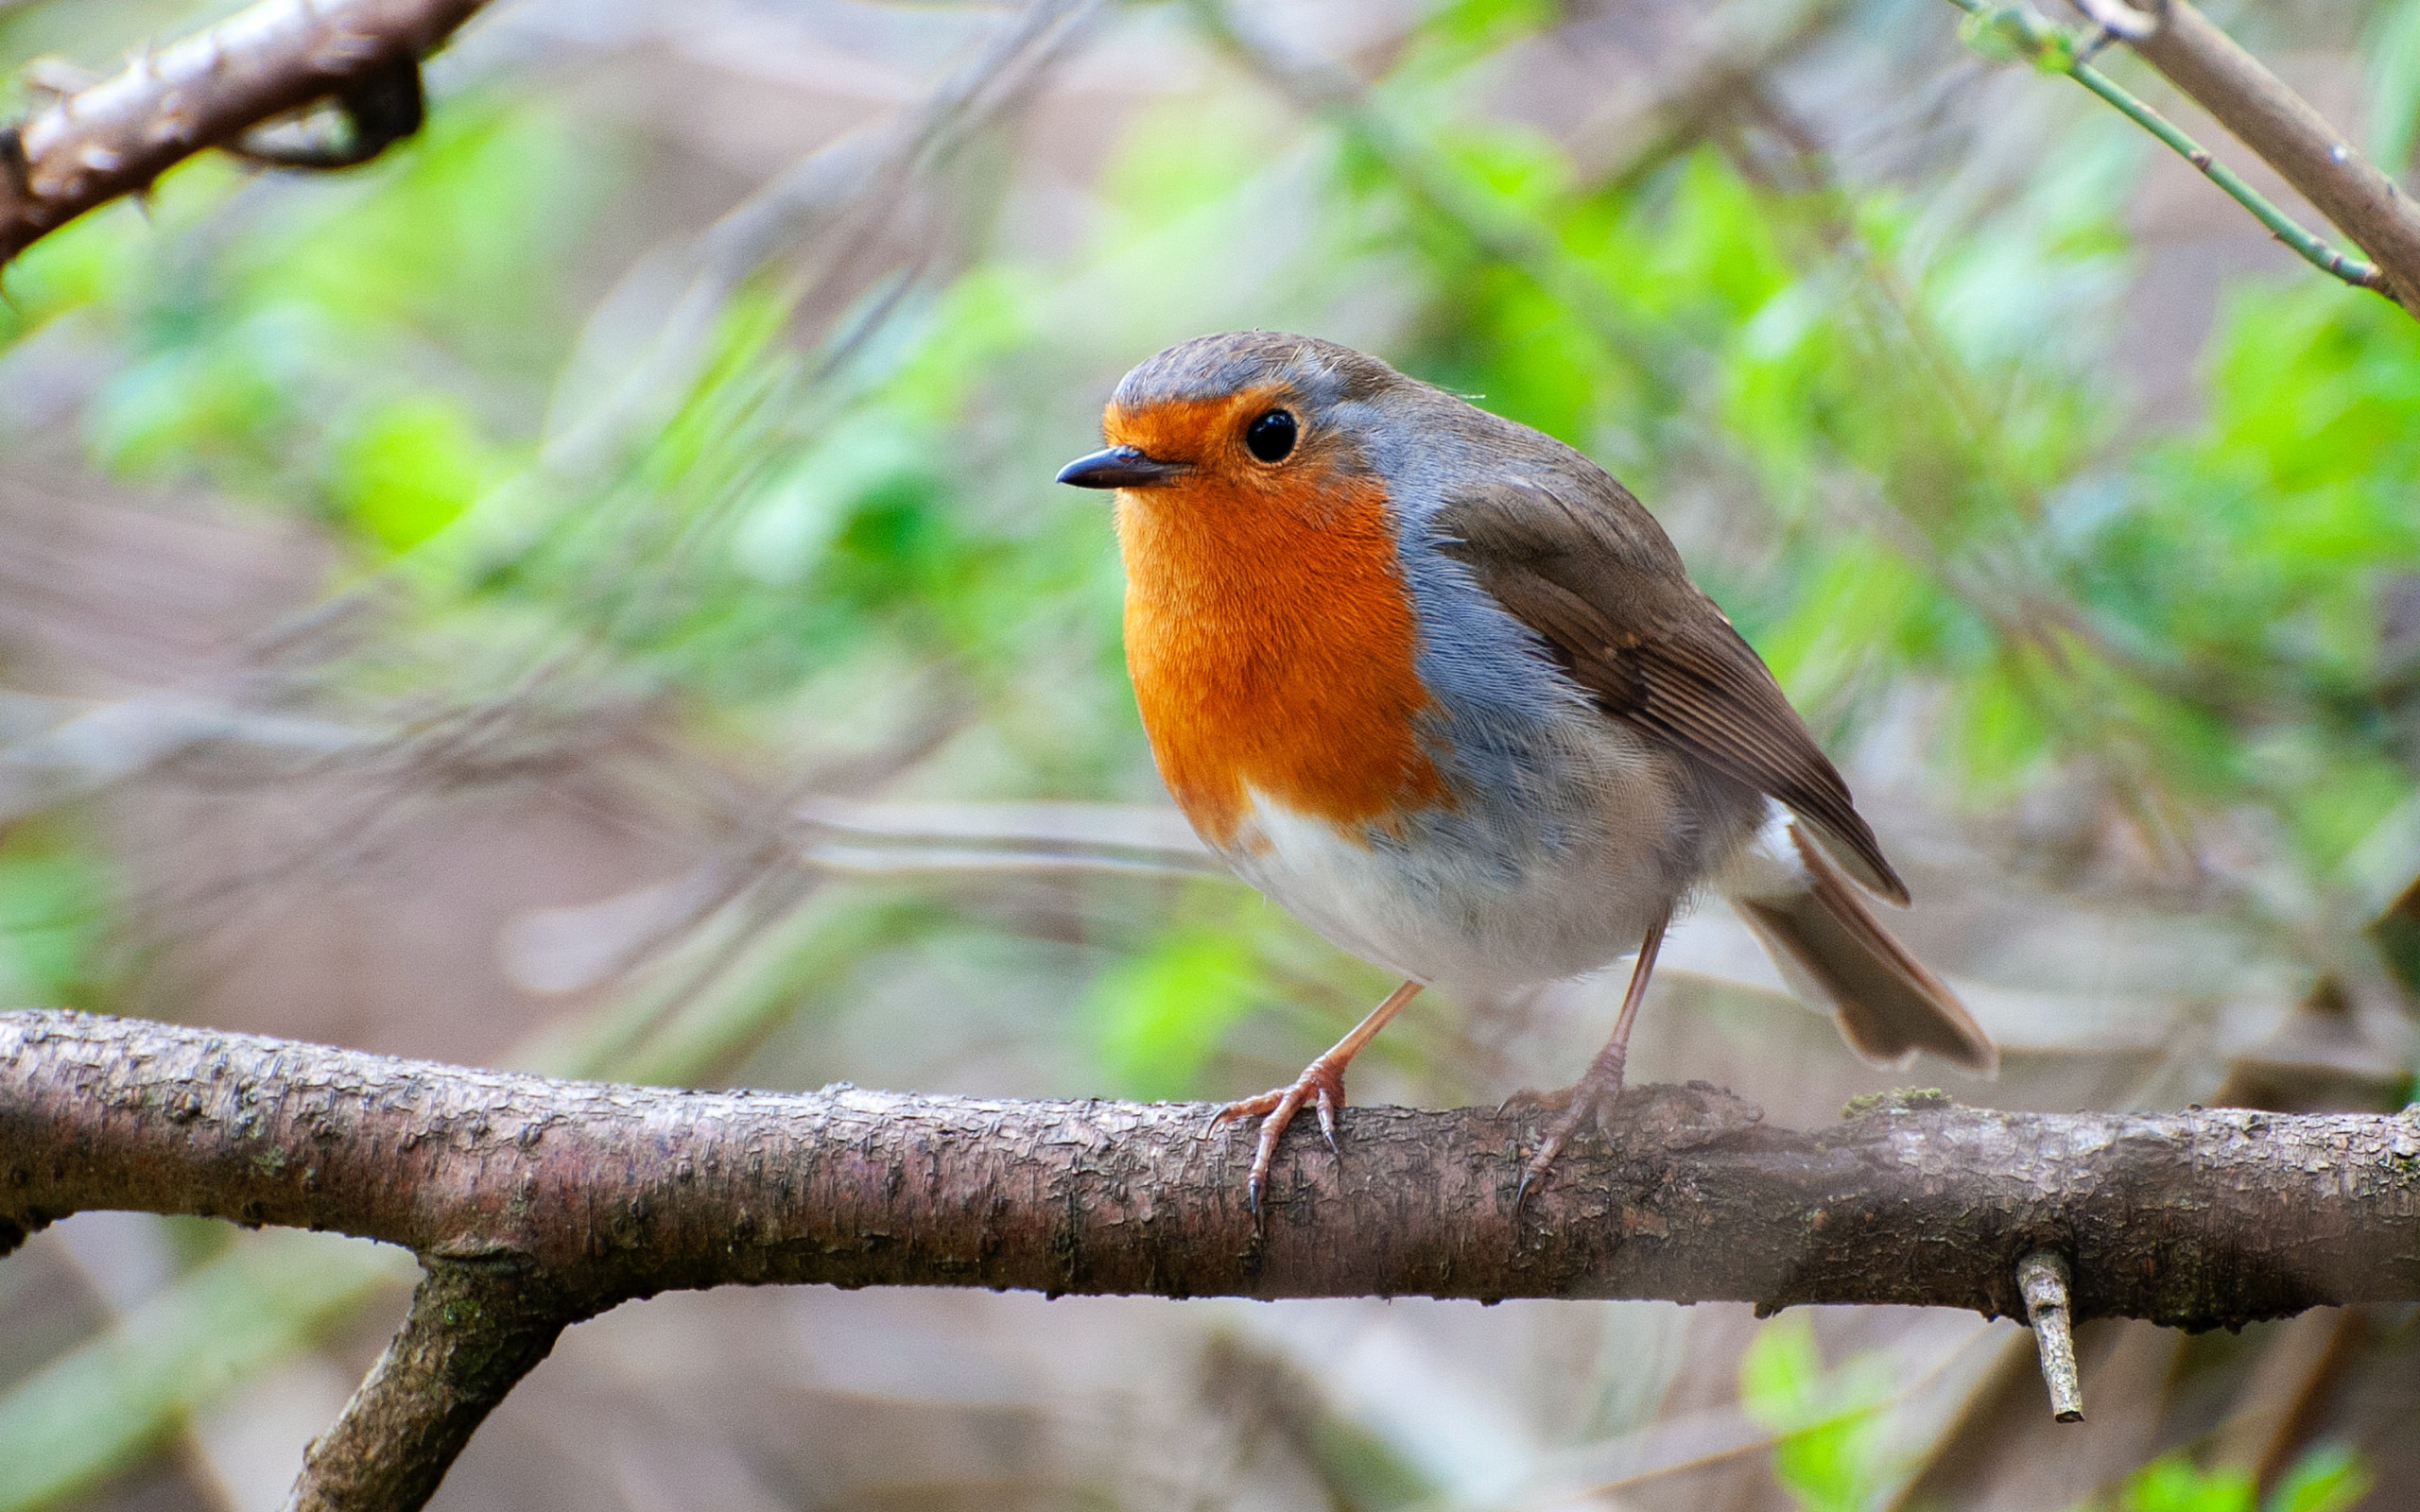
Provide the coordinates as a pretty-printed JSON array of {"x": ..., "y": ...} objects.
[{"x": 1506, "y": 889}]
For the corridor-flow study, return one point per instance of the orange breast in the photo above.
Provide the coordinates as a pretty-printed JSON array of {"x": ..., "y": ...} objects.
[{"x": 1270, "y": 641}]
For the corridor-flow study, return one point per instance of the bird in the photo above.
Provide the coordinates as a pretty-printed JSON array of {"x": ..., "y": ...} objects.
[{"x": 1441, "y": 688}]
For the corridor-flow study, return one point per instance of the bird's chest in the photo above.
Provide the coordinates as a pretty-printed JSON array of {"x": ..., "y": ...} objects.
[
  {"x": 1274, "y": 663},
  {"x": 1551, "y": 872}
]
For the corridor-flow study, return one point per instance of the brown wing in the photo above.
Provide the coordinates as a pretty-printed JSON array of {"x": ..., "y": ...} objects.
[{"x": 1574, "y": 557}]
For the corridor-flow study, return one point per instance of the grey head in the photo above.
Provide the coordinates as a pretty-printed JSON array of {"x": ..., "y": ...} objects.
[
  {"x": 1317, "y": 374},
  {"x": 1174, "y": 407},
  {"x": 1351, "y": 413}
]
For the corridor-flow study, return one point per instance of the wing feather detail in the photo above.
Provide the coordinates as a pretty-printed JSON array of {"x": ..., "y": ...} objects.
[{"x": 1580, "y": 561}]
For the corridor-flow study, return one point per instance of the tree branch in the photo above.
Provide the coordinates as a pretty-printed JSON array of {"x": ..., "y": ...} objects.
[
  {"x": 535, "y": 1202},
  {"x": 2252, "y": 102},
  {"x": 2292, "y": 138},
  {"x": 472, "y": 1332},
  {"x": 114, "y": 138}
]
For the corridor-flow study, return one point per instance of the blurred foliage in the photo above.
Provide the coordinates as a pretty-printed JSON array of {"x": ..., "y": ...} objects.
[
  {"x": 54, "y": 909},
  {"x": 2326, "y": 1479},
  {"x": 1830, "y": 1455},
  {"x": 97, "y": 1407},
  {"x": 2392, "y": 44},
  {"x": 1924, "y": 411}
]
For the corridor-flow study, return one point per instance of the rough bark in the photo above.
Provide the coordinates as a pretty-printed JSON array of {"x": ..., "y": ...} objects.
[
  {"x": 472, "y": 1332},
  {"x": 91, "y": 145},
  {"x": 534, "y": 1203},
  {"x": 2198, "y": 1219}
]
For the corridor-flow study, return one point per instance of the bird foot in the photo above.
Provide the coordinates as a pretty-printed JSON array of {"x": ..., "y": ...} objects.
[
  {"x": 1322, "y": 1085},
  {"x": 1590, "y": 1099}
]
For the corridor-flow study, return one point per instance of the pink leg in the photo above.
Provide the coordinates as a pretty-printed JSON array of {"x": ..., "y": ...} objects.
[
  {"x": 1322, "y": 1080},
  {"x": 1601, "y": 1084}
]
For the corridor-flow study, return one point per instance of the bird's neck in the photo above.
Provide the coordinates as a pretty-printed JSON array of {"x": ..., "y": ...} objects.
[{"x": 1273, "y": 657}]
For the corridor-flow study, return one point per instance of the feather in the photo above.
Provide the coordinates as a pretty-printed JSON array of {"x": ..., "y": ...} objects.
[
  {"x": 1890, "y": 1005},
  {"x": 1579, "y": 560}
]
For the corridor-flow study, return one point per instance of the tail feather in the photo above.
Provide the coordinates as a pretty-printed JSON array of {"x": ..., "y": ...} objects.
[{"x": 1889, "y": 1004}]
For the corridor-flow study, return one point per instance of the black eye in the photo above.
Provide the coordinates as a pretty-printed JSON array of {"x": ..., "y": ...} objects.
[{"x": 1271, "y": 436}]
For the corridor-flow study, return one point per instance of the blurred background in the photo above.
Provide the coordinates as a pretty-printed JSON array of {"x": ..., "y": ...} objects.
[{"x": 585, "y": 592}]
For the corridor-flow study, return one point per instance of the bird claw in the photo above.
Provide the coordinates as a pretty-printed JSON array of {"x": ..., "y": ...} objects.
[
  {"x": 1319, "y": 1085},
  {"x": 1250, "y": 1107},
  {"x": 1590, "y": 1099}
]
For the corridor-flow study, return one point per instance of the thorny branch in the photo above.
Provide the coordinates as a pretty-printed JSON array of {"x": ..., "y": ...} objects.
[
  {"x": 534, "y": 1203},
  {"x": 91, "y": 145}
]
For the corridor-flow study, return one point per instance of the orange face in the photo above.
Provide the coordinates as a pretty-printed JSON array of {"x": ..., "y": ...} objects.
[{"x": 1268, "y": 627}]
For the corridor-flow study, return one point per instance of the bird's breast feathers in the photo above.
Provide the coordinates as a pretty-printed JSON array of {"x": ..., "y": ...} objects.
[{"x": 1277, "y": 656}]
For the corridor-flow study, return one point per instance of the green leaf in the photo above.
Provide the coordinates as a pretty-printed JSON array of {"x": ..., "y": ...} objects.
[
  {"x": 1998, "y": 732},
  {"x": 1829, "y": 1457},
  {"x": 2326, "y": 1478},
  {"x": 2172, "y": 1484},
  {"x": 1857, "y": 608},
  {"x": 1461, "y": 32}
]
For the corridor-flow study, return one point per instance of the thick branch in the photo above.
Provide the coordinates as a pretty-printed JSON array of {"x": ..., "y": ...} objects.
[
  {"x": 2292, "y": 138},
  {"x": 88, "y": 147},
  {"x": 2199, "y": 1219},
  {"x": 534, "y": 1203}
]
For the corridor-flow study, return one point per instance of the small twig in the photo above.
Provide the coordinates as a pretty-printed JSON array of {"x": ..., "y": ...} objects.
[
  {"x": 2041, "y": 1276},
  {"x": 108, "y": 743},
  {"x": 2312, "y": 249},
  {"x": 475, "y": 1330},
  {"x": 2027, "y": 34},
  {"x": 889, "y": 840}
]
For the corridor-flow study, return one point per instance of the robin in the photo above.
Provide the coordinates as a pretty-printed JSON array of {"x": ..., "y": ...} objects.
[{"x": 1442, "y": 687}]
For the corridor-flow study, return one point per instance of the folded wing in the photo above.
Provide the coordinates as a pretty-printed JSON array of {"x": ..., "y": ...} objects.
[{"x": 1575, "y": 557}]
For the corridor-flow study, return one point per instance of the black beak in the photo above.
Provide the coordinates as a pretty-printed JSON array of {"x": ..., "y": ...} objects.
[{"x": 1119, "y": 467}]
